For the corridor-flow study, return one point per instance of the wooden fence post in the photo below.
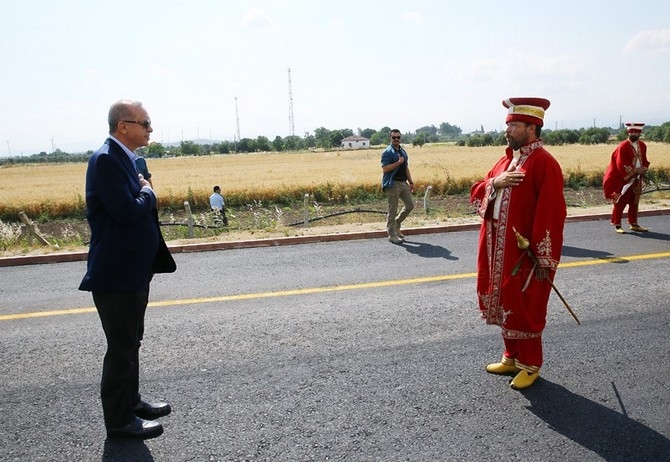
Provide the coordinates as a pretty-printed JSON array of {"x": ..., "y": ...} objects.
[
  {"x": 426, "y": 199},
  {"x": 187, "y": 206},
  {"x": 31, "y": 230},
  {"x": 306, "y": 210}
]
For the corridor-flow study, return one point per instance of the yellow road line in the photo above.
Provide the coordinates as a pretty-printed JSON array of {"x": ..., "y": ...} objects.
[
  {"x": 603, "y": 260},
  {"x": 316, "y": 290}
]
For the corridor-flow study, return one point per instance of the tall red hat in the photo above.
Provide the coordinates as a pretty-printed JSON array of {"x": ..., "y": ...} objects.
[
  {"x": 526, "y": 109},
  {"x": 634, "y": 127}
]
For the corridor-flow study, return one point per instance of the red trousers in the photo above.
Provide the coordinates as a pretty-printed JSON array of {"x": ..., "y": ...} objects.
[
  {"x": 527, "y": 351},
  {"x": 630, "y": 198}
]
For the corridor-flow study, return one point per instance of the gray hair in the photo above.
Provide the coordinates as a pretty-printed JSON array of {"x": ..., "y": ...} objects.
[{"x": 121, "y": 110}]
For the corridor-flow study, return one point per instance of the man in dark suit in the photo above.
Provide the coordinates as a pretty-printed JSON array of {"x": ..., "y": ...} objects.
[{"x": 126, "y": 249}]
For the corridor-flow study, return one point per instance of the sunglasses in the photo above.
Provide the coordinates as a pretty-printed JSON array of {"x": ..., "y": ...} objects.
[
  {"x": 146, "y": 123},
  {"x": 395, "y": 137}
]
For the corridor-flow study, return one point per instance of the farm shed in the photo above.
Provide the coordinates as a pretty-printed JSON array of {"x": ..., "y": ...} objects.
[{"x": 355, "y": 142}]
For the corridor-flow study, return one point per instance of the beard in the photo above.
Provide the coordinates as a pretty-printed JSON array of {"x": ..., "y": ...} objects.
[
  {"x": 633, "y": 137},
  {"x": 515, "y": 144}
]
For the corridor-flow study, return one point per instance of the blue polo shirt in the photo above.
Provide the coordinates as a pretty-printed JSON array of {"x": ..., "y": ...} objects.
[{"x": 390, "y": 156}]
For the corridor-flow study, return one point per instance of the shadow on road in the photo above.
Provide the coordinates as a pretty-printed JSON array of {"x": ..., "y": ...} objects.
[
  {"x": 126, "y": 450},
  {"x": 428, "y": 250},
  {"x": 578, "y": 252},
  {"x": 652, "y": 235},
  {"x": 611, "y": 435}
]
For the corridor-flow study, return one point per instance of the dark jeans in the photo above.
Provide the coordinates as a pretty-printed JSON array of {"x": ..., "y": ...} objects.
[{"x": 122, "y": 317}]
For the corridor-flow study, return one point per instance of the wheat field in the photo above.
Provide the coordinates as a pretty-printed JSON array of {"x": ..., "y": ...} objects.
[{"x": 31, "y": 186}]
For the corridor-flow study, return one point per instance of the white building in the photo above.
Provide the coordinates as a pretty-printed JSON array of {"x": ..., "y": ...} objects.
[{"x": 355, "y": 142}]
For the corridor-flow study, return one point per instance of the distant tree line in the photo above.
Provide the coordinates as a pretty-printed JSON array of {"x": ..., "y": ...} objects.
[{"x": 326, "y": 139}]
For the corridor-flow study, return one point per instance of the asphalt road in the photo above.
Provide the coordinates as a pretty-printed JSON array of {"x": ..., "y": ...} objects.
[{"x": 355, "y": 350}]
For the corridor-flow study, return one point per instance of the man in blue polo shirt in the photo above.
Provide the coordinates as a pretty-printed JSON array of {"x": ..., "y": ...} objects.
[{"x": 398, "y": 185}]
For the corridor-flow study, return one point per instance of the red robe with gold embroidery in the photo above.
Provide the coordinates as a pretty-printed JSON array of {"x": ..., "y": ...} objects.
[
  {"x": 621, "y": 168},
  {"x": 536, "y": 209}
]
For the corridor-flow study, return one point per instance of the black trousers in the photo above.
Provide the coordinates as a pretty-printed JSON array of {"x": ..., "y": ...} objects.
[{"x": 122, "y": 317}]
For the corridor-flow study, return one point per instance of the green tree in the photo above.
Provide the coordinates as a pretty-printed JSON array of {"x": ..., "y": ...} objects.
[
  {"x": 189, "y": 148},
  {"x": 323, "y": 139},
  {"x": 621, "y": 135},
  {"x": 222, "y": 147},
  {"x": 474, "y": 141},
  {"x": 263, "y": 144},
  {"x": 278, "y": 144},
  {"x": 294, "y": 143},
  {"x": 419, "y": 139},
  {"x": 429, "y": 130},
  {"x": 659, "y": 133},
  {"x": 156, "y": 149},
  {"x": 207, "y": 149},
  {"x": 368, "y": 132},
  {"x": 570, "y": 136},
  {"x": 246, "y": 145},
  {"x": 310, "y": 140},
  {"x": 336, "y": 137},
  {"x": 385, "y": 132},
  {"x": 381, "y": 136},
  {"x": 594, "y": 136},
  {"x": 450, "y": 131}
]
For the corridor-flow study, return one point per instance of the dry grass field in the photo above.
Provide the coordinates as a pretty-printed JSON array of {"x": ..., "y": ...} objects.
[
  {"x": 265, "y": 191},
  {"x": 53, "y": 188}
]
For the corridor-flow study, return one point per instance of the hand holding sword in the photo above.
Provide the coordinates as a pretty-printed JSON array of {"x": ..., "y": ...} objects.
[{"x": 524, "y": 244}]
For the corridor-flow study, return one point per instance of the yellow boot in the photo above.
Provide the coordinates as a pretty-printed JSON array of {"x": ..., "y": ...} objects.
[
  {"x": 502, "y": 369},
  {"x": 638, "y": 228},
  {"x": 523, "y": 379}
]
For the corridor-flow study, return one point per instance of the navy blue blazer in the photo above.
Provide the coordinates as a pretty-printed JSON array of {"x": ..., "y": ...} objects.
[{"x": 126, "y": 246}]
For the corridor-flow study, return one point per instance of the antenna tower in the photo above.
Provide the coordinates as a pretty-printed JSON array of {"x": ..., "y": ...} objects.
[
  {"x": 237, "y": 122},
  {"x": 291, "y": 122}
]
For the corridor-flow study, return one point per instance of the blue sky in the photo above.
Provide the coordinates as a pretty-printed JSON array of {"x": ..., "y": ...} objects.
[{"x": 354, "y": 64}]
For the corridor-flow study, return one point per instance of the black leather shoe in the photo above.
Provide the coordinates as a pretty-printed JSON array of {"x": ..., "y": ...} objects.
[
  {"x": 138, "y": 428},
  {"x": 151, "y": 411}
]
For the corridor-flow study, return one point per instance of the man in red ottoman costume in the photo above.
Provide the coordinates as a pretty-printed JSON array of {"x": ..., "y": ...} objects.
[
  {"x": 523, "y": 192},
  {"x": 622, "y": 182}
]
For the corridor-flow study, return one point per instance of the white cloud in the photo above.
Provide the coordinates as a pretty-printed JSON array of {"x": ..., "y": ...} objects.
[
  {"x": 162, "y": 71},
  {"x": 649, "y": 41},
  {"x": 91, "y": 74},
  {"x": 258, "y": 18},
  {"x": 337, "y": 24},
  {"x": 412, "y": 16},
  {"x": 515, "y": 67}
]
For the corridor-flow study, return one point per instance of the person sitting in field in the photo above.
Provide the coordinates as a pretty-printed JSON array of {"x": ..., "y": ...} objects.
[{"x": 217, "y": 204}]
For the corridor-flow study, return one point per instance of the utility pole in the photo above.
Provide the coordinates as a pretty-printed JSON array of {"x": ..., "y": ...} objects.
[
  {"x": 9, "y": 151},
  {"x": 620, "y": 122},
  {"x": 291, "y": 122},
  {"x": 237, "y": 125}
]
